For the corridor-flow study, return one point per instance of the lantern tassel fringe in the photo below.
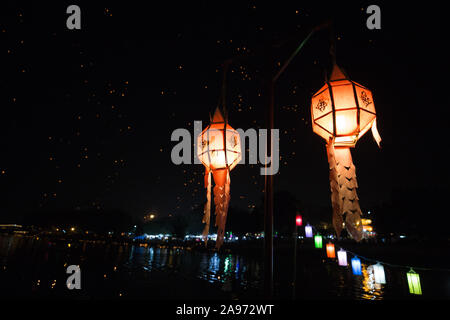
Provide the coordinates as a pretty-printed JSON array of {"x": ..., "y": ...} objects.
[
  {"x": 343, "y": 185},
  {"x": 375, "y": 133},
  {"x": 207, "y": 210},
  {"x": 221, "y": 202}
]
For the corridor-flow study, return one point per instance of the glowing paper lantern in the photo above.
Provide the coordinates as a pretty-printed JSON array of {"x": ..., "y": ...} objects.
[
  {"x": 342, "y": 257},
  {"x": 219, "y": 149},
  {"x": 342, "y": 111},
  {"x": 378, "y": 271},
  {"x": 308, "y": 231},
  {"x": 298, "y": 220},
  {"x": 356, "y": 266},
  {"x": 414, "y": 282},
  {"x": 330, "y": 250},
  {"x": 318, "y": 241}
]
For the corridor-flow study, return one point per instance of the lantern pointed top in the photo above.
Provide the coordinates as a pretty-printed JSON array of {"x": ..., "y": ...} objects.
[
  {"x": 218, "y": 117},
  {"x": 337, "y": 73}
]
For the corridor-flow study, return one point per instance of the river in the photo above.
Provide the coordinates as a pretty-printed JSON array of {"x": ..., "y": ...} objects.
[{"x": 36, "y": 268}]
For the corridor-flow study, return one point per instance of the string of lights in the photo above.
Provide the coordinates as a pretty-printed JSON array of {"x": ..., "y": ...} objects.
[
  {"x": 377, "y": 268},
  {"x": 387, "y": 263}
]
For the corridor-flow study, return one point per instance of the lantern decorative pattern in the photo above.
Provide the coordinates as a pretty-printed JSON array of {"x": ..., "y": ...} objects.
[
  {"x": 330, "y": 251},
  {"x": 342, "y": 257},
  {"x": 318, "y": 241},
  {"x": 378, "y": 271},
  {"x": 219, "y": 149},
  {"x": 308, "y": 231},
  {"x": 356, "y": 266},
  {"x": 343, "y": 111},
  {"x": 414, "y": 282}
]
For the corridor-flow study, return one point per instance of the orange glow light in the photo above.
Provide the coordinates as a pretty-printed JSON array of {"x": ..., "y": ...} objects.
[
  {"x": 342, "y": 109},
  {"x": 215, "y": 149},
  {"x": 330, "y": 251}
]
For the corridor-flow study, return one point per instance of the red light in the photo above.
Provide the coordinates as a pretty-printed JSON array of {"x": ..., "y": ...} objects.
[{"x": 298, "y": 220}]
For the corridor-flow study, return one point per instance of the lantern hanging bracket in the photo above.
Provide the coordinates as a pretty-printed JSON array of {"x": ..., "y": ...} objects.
[
  {"x": 332, "y": 46},
  {"x": 222, "y": 99}
]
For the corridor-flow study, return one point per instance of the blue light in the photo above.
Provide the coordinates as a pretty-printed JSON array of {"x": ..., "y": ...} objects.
[{"x": 356, "y": 266}]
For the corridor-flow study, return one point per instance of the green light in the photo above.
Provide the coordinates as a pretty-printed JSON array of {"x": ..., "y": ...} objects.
[
  {"x": 318, "y": 241},
  {"x": 414, "y": 282},
  {"x": 227, "y": 264}
]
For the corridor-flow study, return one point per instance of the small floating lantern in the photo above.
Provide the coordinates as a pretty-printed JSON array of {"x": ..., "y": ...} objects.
[
  {"x": 308, "y": 231},
  {"x": 298, "y": 220},
  {"x": 356, "y": 266},
  {"x": 414, "y": 282},
  {"x": 378, "y": 271},
  {"x": 330, "y": 251},
  {"x": 318, "y": 241},
  {"x": 342, "y": 257}
]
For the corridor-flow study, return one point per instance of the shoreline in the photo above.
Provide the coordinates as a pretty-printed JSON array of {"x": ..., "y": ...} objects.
[{"x": 406, "y": 252}]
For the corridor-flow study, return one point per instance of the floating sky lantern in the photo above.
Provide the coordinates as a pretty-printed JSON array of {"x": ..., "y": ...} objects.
[
  {"x": 378, "y": 271},
  {"x": 219, "y": 149},
  {"x": 308, "y": 231},
  {"x": 343, "y": 111},
  {"x": 356, "y": 266},
  {"x": 330, "y": 250},
  {"x": 342, "y": 257},
  {"x": 318, "y": 241},
  {"x": 414, "y": 282}
]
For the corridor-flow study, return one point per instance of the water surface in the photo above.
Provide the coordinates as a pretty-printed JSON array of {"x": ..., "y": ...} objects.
[{"x": 35, "y": 267}]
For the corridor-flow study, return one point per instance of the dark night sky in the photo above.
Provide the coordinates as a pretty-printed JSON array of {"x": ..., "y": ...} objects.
[{"x": 87, "y": 115}]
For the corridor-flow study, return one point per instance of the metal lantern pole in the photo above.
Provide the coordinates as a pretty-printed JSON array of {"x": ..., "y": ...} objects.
[
  {"x": 268, "y": 182},
  {"x": 268, "y": 204},
  {"x": 295, "y": 261}
]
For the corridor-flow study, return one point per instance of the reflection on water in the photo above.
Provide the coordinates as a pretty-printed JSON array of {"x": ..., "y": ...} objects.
[
  {"x": 230, "y": 272},
  {"x": 371, "y": 290},
  {"x": 34, "y": 265},
  {"x": 364, "y": 286}
]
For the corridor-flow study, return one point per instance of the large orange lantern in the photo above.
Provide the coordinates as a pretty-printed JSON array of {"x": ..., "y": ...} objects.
[
  {"x": 219, "y": 149},
  {"x": 343, "y": 111}
]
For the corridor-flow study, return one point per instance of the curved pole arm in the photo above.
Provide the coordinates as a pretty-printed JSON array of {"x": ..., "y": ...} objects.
[{"x": 317, "y": 28}]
